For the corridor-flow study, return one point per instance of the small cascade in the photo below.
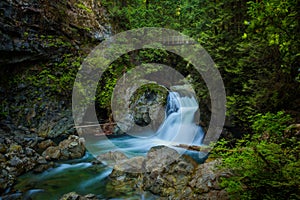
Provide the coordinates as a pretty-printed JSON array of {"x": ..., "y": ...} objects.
[
  {"x": 172, "y": 103},
  {"x": 82, "y": 176},
  {"x": 179, "y": 127}
]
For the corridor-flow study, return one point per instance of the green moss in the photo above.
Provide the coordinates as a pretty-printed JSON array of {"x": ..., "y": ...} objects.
[
  {"x": 150, "y": 88},
  {"x": 83, "y": 7},
  {"x": 15, "y": 148}
]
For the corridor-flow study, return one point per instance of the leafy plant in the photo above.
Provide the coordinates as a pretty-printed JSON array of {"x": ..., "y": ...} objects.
[{"x": 265, "y": 165}]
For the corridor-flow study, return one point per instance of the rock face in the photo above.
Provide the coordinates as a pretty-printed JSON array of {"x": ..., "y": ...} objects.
[
  {"x": 37, "y": 30},
  {"x": 167, "y": 174},
  {"x": 36, "y": 116},
  {"x": 148, "y": 110},
  {"x": 135, "y": 107}
]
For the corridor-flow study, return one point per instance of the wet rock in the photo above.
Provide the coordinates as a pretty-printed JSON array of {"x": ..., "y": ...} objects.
[
  {"x": 112, "y": 157},
  {"x": 148, "y": 110},
  {"x": 167, "y": 174},
  {"x": 168, "y": 181},
  {"x": 205, "y": 181},
  {"x": 2, "y": 158},
  {"x": 117, "y": 130},
  {"x": 43, "y": 167},
  {"x": 127, "y": 175},
  {"x": 41, "y": 160},
  {"x": 15, "y": 148},
  {"x": 52, "y": 153},
  {"x": 159, "y": 157},
  {"x": 61, "y": 124},
  {"x": 133, "y": 165},
  {"x": 15, "y": 161},
  {"x": 45, "y": 144},
  {"x": 70, "y": 148},
  {"x": 75, "y": 196},
  {"x": 29, "y": 152}
]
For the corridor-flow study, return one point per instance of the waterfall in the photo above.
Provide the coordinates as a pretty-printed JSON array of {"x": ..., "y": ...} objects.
[{"x": 179, "y": 126}]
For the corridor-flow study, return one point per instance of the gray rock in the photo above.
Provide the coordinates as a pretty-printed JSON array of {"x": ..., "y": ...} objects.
[
  {"x": 41, "y": 160},
  {"x": 112, "y": 157},
  {"x": 132, "y": 165},
  {"x": 75, "y": 196},
  {"x": 15, "y": 161},
  {"x": 167, "y": 174},
  {"x": 43, "y": 167},
  {"x": 159, "y": 157},
  {"x": 26, "y": 25},
  {"x": 70, "y": 148}
]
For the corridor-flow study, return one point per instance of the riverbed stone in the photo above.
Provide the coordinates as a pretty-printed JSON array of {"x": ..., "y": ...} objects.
[
  {"x": 52, "y": 153},
  {"x": 75, "y": 196},
  {"x": 167, "y": 174},
  {"x": 45, "y": 144},
  {"x": 70, "y": 148},
  {"x": 112, "y": 157},
  {"x": 15, "y": 161},
  {"x": 159, "y": 157}
]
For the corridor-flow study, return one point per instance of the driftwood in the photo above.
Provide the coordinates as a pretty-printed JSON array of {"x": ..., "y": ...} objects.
[{"x": 205, "y": 149}]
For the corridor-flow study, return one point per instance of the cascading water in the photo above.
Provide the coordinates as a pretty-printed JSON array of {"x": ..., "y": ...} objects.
[{"x": 179, "y": 127}]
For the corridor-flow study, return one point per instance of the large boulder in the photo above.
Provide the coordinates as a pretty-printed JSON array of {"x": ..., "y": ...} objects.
[
  {"x": 112, "y": 157},
  {"x": 167, "y": 174},
  {"x": 206, "y": 181},
  {"x": 166, "y": 171},
  {"x": 127, "y": 176}
]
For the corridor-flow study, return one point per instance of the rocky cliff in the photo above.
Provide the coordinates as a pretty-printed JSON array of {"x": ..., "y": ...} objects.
[
  {"x": 35, "y": 30},
  {"x": 42, "y": 43}
]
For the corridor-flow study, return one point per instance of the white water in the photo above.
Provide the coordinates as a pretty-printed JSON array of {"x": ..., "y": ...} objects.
[
  {"x": 179, "y": 127},
  {"x": 80, "y": 175}
]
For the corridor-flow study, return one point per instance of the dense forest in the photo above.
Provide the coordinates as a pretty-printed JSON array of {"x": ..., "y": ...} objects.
[{"x": 254, "y": 44}]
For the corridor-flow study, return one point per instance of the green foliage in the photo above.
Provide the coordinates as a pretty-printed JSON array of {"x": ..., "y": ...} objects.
[
  {"x": 255, "y": 45},
  {"x": 83, "y": 7},
  {"x": 270, "y": 123},
  {"x": 265, "y": 165},
  {"x": 53, "y": 78},
  {"x": 267, "y": 65}
]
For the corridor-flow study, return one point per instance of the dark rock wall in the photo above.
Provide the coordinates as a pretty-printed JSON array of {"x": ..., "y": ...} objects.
[
  {"x": 32, "y": 30},
  {"x": 35, "y": 37}
]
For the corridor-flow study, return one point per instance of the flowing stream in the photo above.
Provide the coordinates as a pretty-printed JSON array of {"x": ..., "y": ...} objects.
[{"x": 83, "y": 177}]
